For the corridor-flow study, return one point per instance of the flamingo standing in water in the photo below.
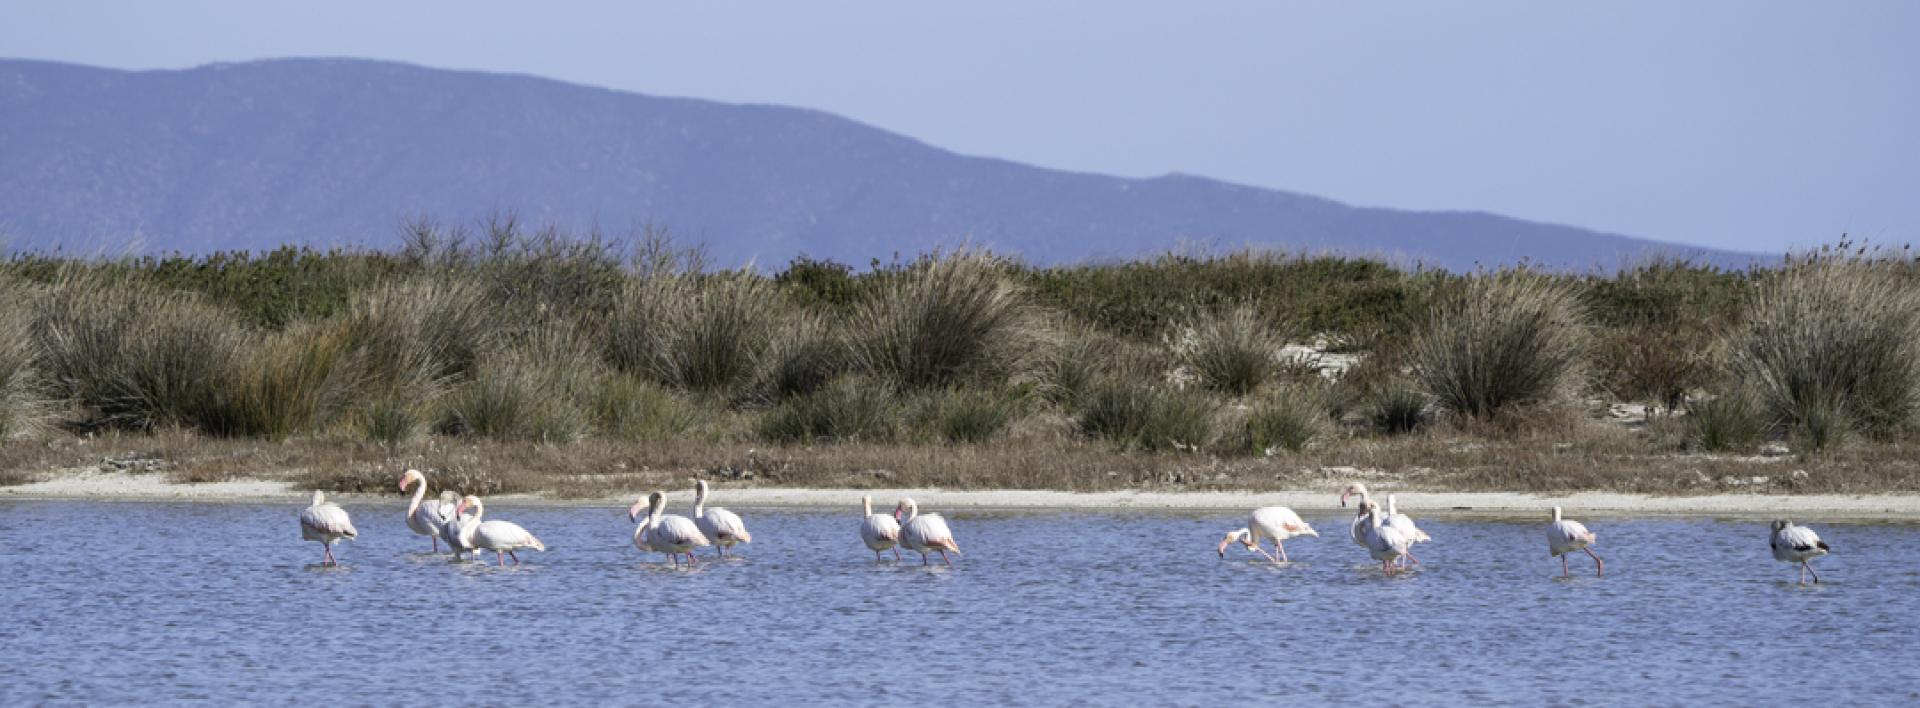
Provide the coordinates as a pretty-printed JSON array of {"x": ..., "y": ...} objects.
[
  {"x": 924, "y": 533},
  {"x": 720, "y": 526},
  {"x": 501, "y": 537},
  {"x": 879, "y": 531},
  {"x": 671, "y": 534},
  {"x": 1359, "y": 529},
  {"x": 1276, "y": 522},
  {"x": 451, "y": 531},
  {"x": 1798, "y": 544},
  {"x": 326, "y": 523},
  {"x": 1566, "y": 536},
  {"x": 426, "y": 519},
  {"x": 1385, "y": 543},
  {"x": 1404, "y": 524}
]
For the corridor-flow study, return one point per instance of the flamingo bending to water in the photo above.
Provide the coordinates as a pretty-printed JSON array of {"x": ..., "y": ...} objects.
[
  {"x": 426, "y": 519},
  {"x": 671, "y": 534},
  {"x": 1276, "y": 522},
  {"x": 720, "y": 526},
  {"x": 1566, "y": 536},
  {"x": 924, "y": 532},
  {"x": 879, "y": 531},
  {"x": 1798, "y": 544},
  {"x": 326, "y": 523},
  {"x": 501, "y": 537},
  {"x": 1404, "y": 524}
]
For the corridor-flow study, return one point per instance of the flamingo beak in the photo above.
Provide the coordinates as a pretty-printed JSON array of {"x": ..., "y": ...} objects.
[
  {"x": 1343, "y": 498},
  {"x": 1222, "y": 550},
  {"x": 461, "y": 509}
]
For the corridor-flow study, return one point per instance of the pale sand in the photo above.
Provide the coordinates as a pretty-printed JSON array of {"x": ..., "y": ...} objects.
[{"x": 153, "y": 487}]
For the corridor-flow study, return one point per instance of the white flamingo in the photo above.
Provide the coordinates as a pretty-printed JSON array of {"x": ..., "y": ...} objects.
[
  {"x": 451, "y": 531},
  {"x": 1798, "y": 544},
  {"x": 1566, "y": 536},
  {"x": 671, "y": 534},
  {"x": 879, "y": 531},
  {"x": 720, "y": 526},
  {"x": 1358, "y": 529},
  {"x": 1385, "y": 543},
  {"x": 326, "y": 523},
  {"x": 426, "y": 519},
  {"x": 501, "y": 537},
  {"x": 1404, "y": 524},
  {"x": 922, "y": 533},
  {"x": 1276, "y": 522}
]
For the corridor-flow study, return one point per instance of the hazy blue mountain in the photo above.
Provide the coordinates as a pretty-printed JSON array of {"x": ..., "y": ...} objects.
[{"x": 335, "y": 152}]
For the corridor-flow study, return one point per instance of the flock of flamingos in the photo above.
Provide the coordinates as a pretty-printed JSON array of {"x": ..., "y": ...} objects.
[{"x": 1388, "y": 536}]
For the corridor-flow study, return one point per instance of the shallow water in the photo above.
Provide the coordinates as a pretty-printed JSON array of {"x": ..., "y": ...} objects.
[{"x": 143, "y": 602}]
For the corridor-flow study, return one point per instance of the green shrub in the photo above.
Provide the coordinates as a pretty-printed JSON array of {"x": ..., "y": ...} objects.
[
  {"x": 392, "y": 420},
  {"x": 947, "y": 321},
  {"x": 1834, "y": 338},
  {"x": 23, "y": 404},
  {"x": 533, "y": 392},
  {"x": 422, "y": 330},
  {"x": 966, "y": 416},
  {"x": 287, "y": 383},
  {"x": 1397, "y": 409},
  {"x": 1147, "y": 417},
  {"x": 1728, "y": 423},
  {"x": 804, "y": 357},
  {"x": 847, "y": 410},
  {"x": 1067, "y": 367},
  {"x": 1232, "y": 353},
  {"x": 1654, "y": 363},
  {"x": 627, "y": 408},
  {"x": 1292, "y": 421},
  {"x": 138, "y": 358},
  {"x": 1504, "y": 340}
]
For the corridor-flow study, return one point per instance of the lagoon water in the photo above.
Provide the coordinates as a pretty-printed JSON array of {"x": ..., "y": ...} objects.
[{"x": 147, "y": 602}]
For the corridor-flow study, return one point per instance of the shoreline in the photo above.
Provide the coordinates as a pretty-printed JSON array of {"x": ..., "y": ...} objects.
[{"x": 126, "y": 487}]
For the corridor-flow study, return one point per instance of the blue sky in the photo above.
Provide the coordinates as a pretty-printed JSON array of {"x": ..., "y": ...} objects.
[{"x": 1740, "y": 124}]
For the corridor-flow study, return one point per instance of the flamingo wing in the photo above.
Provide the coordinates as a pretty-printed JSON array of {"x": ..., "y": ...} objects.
[
  {"x": 930, "y": 531},
  {"x": 505, "y": 536},
  {"x": 723, "y": 525},
  {"x": 328, "y": 519}
]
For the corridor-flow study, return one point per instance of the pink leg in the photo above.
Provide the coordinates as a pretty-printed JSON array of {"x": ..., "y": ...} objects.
[
  {"x": 943, "y": 557},
  {"x": 690, "y": 559},
  {"x": 1410, "y": 559},
  {"x": 896, "y": 554},
  {"x": 1809, "y": 567},
  {"x": 1282, "y": 549},
  {"x": 1599, "y": 566},
  {"x": 330, "y": 560},
  {"x": 1564, "y": 573},
  {"x": 516, "y": 559},
  {"x": 502, "y": 557}
]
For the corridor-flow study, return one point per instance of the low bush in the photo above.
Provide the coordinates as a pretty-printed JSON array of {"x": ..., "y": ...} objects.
[
  {"x": 847, "y": 410},
  {"x": 1294, "y": 419},
  {"x": 1232, "y": 353},
  {"x": 1504, "y": 340},
  {"x": 1395, "y": 410},
  {"x": 1147, "y": 417},
  {"x": 1732, "y": 422},
  {"x": 947, "y": 320}
]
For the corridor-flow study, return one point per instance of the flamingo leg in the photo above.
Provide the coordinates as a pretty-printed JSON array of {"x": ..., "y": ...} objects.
[
  {"x": 436, "y": 543},
  {"x": 943, "y": 557},
  {"x": 923, "y": 558},
  {"x": 1410, "y": 560},
  {"x": 502, "y": 557},
  {"x": 516, "y": 559},
  {"x": 876, "y": 557},
  {"x": 1599, "y": 566},
  {"x": 1809, "y": 567},
  {"x": 1564, "y": 572},
  {"x": 330, "y": 560},
  {"x": 896, "y": 554},
  {"x": 1282, "y": 548}
]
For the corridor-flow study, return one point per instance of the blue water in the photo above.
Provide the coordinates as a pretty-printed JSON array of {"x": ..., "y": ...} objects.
[{"x": 144, "y": 602}]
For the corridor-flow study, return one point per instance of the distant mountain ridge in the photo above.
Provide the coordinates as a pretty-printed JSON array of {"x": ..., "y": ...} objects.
[{"x": 342, "y": 151}]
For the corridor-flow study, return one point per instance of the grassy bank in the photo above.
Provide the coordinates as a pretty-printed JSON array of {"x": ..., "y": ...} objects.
[{"x": 512, "y": 360}]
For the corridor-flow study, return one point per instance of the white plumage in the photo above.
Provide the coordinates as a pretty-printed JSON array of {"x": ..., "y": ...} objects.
[
  {"x": 1798, "y": 544},
  {"x": 724, "y": 528},
  {"x": 454, "y": 530},
  {"x": 1385, "y": 543},
  {"x": 879, "y": 531},
  {"x": 1358, "y": 530},
  {"x": 326, "y": 523},
  {"x": 1276, "y": 522},
  {"x": 428, "y": 518},
  {"x": 1404, "y": 524},
  {"x": 501, "y": 537},
  {"x": 671, "y": 534},
  {"x": 924, "y": 533},
  {"x": 1566, "y": 536}
]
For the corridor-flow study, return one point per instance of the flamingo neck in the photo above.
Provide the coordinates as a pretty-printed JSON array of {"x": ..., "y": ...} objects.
[
  {"x": 418, "y": 493},
  {"x": 866, "y": 506},
  {"x": 1390, "y": 506},
  {"x": 699, "y": 502},
  {"x": 913, "y": 510}
]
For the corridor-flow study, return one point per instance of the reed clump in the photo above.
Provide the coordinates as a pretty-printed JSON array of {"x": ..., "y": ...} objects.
[{"x": 1502, "y": 341}]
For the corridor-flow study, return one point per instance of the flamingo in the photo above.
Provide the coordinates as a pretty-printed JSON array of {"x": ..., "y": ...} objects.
[
  {"x": 1565, "y": 536},
  {"x": 1276, "y": 522},
  {"x": 456, "y": 523},
  {"x": 1797, "y": 544},
  {"x": 879, "y": 531},
  {"x": 426, "y": 519},
  {"x": 327, "y": 523},
  {"x": 1404, "y": 524},
  {"x": 1385, "y": 543},
  {"x": 723, "y": 527},
  {"x": 924, "y": 533},
  {"x": 671, "y": 534},
  {"x": 1358, "y": 529},
  {"x": 501, "y": 537}
]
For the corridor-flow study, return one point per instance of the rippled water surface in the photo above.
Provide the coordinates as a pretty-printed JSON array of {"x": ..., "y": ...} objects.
[{"x": 141, "y": 602}]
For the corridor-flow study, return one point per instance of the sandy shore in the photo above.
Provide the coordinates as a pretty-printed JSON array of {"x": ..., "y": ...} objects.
[{"x": 113, "y": 486}]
